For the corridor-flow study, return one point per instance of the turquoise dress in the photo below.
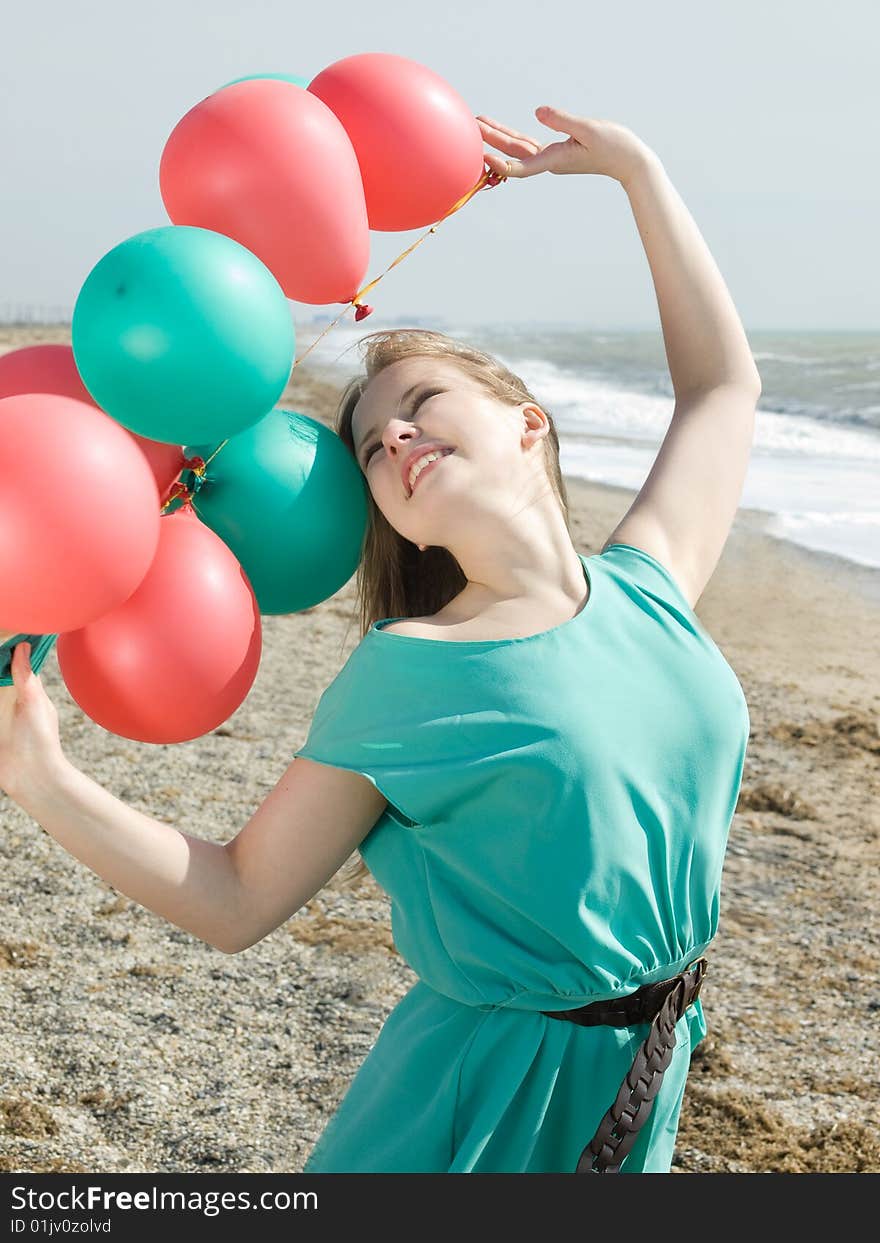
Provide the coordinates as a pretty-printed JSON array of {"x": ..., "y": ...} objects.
[{"x": 558, "y": 811}]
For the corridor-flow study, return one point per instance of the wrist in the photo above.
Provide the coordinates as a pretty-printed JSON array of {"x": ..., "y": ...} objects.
[
  {"x": 644, "y": 165},
  {"x": 47, "y": 780}
]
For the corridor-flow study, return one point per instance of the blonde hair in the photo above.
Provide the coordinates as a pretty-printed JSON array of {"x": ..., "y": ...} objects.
[{"x": 395, "y": 579}]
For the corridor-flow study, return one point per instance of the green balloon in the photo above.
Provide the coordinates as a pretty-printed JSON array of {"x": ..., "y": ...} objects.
[
  {"x": 183, "y": 334},
  {"x": 258, "y": 77},
  {"x": 287, "y": 497}
]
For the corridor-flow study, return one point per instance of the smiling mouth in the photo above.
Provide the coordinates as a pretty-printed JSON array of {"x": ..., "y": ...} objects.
[{"x": 429, "y": 467}]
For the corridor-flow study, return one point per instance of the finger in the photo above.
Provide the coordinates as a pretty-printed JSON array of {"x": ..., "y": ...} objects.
[
  {"x": 497, "y": 163},
  {"x": 547, "y": 158},
  {"x": 501, "y": 167},
  {"x": 510, "y": 141},
  {"x": 510, "y": 146},
  {"x": 501, "y": 128},
  {"x": 556, "y": 118},
  {"x": 21, "y": 661}
]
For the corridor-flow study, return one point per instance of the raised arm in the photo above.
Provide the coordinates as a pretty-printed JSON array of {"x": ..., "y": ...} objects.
[
  {"x": 684, "y": 511},
  {"x": 706, "y": 347}
]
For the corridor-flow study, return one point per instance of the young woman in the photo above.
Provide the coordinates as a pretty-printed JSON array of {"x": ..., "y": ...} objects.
[{"x": 538, "y": 753}]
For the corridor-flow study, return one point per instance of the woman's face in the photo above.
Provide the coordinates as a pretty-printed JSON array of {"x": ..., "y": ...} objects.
[{"x": 418, "y": 403}]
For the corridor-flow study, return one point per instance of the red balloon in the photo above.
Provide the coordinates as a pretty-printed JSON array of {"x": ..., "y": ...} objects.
[
  {"x": 180, "y": 655},
  {"x": 269, "y": 165},
  {"x": 79, "y": 514},
  {"x": 418, "y": 144},
  {"x": 52, "y": 369}
]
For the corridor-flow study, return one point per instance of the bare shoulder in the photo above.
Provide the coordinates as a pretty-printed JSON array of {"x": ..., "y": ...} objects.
[{"x": 415, "y": 627}]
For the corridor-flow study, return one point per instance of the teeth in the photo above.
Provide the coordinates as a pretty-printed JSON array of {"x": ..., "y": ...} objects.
[{"x": 422, "y": 463}]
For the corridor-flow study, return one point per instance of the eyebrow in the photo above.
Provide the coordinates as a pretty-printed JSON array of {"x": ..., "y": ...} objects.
[{"x": 409, "y": 392}]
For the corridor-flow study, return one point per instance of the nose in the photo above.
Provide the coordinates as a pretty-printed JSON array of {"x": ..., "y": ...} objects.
[{"x": 399, "y": 439}]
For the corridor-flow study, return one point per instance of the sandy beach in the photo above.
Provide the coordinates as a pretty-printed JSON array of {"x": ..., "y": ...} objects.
[{"x": 127, "y": 1045}]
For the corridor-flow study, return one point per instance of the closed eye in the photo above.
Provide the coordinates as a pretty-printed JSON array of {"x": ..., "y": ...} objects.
[{"x": 422, "y": 397}]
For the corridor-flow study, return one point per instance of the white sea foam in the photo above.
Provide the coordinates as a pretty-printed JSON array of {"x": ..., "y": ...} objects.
[{"x": 815, "y": 458}]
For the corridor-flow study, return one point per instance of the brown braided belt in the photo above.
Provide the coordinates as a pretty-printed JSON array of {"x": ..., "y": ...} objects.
[{"x": 661, "y": 1004}]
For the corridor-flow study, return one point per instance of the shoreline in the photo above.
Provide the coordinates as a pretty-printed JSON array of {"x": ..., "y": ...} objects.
[
  {"x": 313, "y": 393},
  {"x": 317, "y": 382}
]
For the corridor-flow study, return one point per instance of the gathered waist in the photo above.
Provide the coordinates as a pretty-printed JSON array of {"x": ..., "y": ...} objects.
[
  {"x": 640, "y": 1006},
  {"x": 661, "y": 1003},
  {"x": 532, "y": 997}
]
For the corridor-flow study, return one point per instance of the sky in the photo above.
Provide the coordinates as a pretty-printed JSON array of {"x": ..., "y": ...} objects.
[{"x": 764, "y": 116}]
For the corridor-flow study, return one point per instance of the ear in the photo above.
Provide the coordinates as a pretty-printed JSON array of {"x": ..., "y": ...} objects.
[{"x": 536, "y": 425}]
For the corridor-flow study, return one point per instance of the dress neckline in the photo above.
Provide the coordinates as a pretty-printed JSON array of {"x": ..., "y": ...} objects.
[{"x": 377, "y": 626}]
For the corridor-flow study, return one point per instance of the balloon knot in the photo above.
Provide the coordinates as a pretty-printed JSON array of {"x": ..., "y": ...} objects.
[
  {"x": 180, "y": 490},
  {"x": 194, "y": 463},
  {"x": 362, "y": 312}
]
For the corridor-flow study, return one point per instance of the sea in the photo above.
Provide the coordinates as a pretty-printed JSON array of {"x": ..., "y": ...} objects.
[{"x": 814, "y": 470}]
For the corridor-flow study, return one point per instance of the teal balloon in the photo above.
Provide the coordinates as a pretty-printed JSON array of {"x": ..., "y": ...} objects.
[
  {"x": 287, "y": 497},
  {"x": 275, "y": 77},
  {"x": 183, "y": 334}
]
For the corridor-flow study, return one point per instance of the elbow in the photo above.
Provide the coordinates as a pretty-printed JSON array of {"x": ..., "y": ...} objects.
[
  {"x": 235, "y": 947},
  {"x": 746, "y": 382},
  {"x": 227, "y": 946},
  {"x": 751, "y": 385},
  {"x": 228, "y": 949}
]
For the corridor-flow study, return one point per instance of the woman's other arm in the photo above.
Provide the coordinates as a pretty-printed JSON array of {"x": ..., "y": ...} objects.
[
  {"x": 229, "y": 895},
  {"x": 188, "y": 880}
]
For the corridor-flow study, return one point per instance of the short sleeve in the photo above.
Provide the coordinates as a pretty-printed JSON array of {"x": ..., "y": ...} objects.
[
  {"x": 640, "y": 568},
  {"x": 370, "y": 721}
]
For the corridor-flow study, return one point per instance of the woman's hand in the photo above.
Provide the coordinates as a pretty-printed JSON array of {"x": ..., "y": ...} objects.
[
  {"x": 592, "y": 147},
  {"x": 30, "y": 744}
]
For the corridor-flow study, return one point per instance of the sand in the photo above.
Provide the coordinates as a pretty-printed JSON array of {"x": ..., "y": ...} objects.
[{"x": 129, "y": 1046}]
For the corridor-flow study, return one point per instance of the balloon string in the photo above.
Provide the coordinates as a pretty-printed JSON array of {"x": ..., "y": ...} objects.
[
  {"x": 488, "y": 178},
  {"x": 180, "y": 490}
]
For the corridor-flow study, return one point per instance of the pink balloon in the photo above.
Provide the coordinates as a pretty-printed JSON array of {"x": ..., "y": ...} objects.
[
  {"x": 42, "y": 369},
  {"x": 52, "y": 369},
  {"x": 180, "y": 655},
  {"x": 418, "y": 144},
  {"x": 79, "y": 514},
  {"x": 269, "y": 165}
]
